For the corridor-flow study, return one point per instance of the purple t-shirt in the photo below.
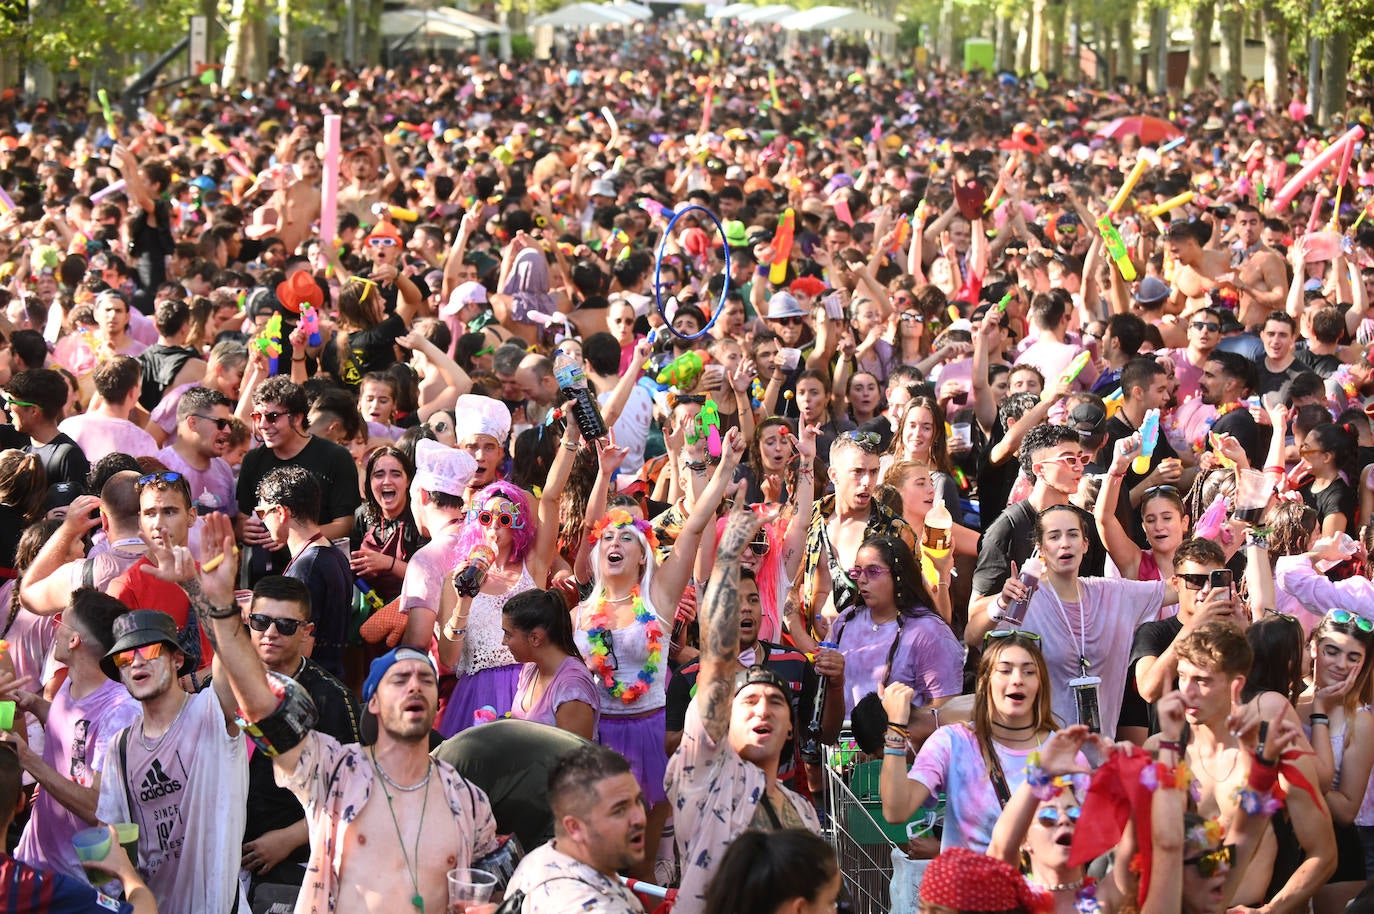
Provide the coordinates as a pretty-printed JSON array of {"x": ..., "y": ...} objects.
[
  {"x": 572, "y": 682},
  {"x": 1188, "y": 375},
  {"x": 164, "y": 415},
  {"x": 212, "y": 489},
  {"x": 78, "y": 737},
  {"x": 1101, "y": 629},
  {"x": 929, "y": 658}
]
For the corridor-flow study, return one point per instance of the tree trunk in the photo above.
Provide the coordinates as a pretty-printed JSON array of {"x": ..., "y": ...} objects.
[
  {"x": 1232, "y": 49},
  {"x": 1035, "y": 37},
  {"x": 1125, "y": 46},
  {"x": 285, "y": 33},
  {"x": 1335, "y": 67},
  {"x": 1056, "y": 21},
  {"x": 1156, "y": 76},
  {"x": 1200, "y": 55},
  {"x": 1275, "y": 56},
  {"x": 1006, "y": 40}
]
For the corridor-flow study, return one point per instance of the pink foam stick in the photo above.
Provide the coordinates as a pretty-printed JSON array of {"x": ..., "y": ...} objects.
[
  {"x": 107, "y": 191},
  {"x": 1311, "y": 169},
  {"x": 329, "y": 191},
  {"x": 236, "y": 163}
]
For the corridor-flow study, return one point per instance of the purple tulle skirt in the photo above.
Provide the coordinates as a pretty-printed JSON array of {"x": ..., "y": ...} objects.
[
  {"x": 494, "y": 687},
  {"x": 640, "y": 740}
]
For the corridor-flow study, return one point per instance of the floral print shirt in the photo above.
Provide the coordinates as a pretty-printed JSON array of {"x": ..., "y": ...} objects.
[{"x": 334, "y": 783}]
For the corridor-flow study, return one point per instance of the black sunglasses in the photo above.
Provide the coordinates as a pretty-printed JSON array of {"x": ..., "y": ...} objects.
[
  {"x": 1193, "y": 581},
  {"x": 220, "y": 424},
  {"x": 259, "y": 623}
]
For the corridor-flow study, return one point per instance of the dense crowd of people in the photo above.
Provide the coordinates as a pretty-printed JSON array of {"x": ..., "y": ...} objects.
[{"x": 627, "y": 429}]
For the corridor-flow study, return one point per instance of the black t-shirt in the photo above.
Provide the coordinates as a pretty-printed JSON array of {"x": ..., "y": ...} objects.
[
  {"x": 334, "y": 470},
  {"x": 1127, "y": 514},
  {"x": 325, "y": 573},
  {"x": 1337, "y": 498},
  {"x": 160, "y": 367},
  {"x": 1324, "y": 364},
  {"x": 63, "y": 459},
  {"x": 374, "y": 349},
  {"x": 1151, "y": 640},
  {"x": 1009, "y": 539},
  {"x": 995, "y": 480},
  {"x": 271, "y": 807},
  {"x": 1274, "y": 380},
  {"x": 1254, "y": 438}
]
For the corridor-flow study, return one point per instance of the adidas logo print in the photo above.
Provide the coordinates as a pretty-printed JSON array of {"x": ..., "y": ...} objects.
[{"x": 157, "y": 784}]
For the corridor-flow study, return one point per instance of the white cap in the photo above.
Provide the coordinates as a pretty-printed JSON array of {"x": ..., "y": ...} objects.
[
  {"x": 465, "y": 294},
  {"x": 440, "y": 468},
  {"x": 476, "y": 415}
]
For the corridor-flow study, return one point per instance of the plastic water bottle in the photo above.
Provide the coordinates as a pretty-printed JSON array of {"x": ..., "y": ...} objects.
[
  {"x": 572, "y": 385},
  {"x": 938, "y": 535},
  {"x": 1030, "y": 576}
]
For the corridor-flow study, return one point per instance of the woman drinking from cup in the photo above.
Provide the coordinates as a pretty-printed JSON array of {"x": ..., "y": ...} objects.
[{"x": 555, "y": 687}]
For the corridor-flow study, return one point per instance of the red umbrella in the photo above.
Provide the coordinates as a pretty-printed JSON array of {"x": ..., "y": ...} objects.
[{"x": 1151, "y": 130}]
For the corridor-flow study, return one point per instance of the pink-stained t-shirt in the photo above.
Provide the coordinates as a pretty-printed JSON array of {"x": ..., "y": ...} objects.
[
  {"x": 100, "y": 435},
  {"x": 78, "y": 737}
]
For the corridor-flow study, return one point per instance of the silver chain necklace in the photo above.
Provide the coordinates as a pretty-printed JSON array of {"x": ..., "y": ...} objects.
[
  {"x": 142, "y": 736},
  {"x": 429, "y": 770}
]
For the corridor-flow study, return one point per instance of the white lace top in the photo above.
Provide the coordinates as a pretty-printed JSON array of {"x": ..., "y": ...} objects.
[
  {"x": 631, "y": 647},
  {"x": 482, "y": 649}
]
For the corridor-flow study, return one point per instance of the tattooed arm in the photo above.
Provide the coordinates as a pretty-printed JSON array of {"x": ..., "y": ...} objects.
[{"x": 719, "y": 621}]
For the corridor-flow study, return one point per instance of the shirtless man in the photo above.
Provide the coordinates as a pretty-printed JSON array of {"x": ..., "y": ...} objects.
[
  {"x": 1261, "y": 278},
  {"x": 363, "y": 184},
  {"x": 298, "y": 197},
  {"x": 842, "y": 521},
  {"x": 1212, "y": 665},
  {"x": 365, "y": 806},
  {"x": 1197, "y": 271}
]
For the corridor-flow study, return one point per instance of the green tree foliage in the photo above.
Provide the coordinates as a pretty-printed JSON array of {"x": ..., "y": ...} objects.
[{"x": 80, "y": 34}]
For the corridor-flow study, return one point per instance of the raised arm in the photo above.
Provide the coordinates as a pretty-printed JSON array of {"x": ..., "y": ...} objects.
[
  {"x": 672, "y": 576},
  {"x": 984, "y": 404},
  {"x": 458, "y": 381},
  {"x": 1123, "y": 550},
  {"x": 1058, "y": 757},
  {"x": 43, "y": 591},
  {"x": 719, "y": 621},
  {"x": 794, "y": 540}
]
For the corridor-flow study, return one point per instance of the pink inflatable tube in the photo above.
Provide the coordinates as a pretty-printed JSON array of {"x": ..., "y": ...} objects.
[{"x": 1310, "y": 170}]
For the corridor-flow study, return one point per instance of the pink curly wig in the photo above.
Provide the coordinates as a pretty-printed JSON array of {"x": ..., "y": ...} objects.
[{"x": 521, "y": 540}]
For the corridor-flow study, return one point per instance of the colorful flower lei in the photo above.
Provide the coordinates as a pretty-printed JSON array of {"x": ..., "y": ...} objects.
[
  {"x": 1158, "y": 774},
  {"x": 619, "y": 517},
  {"x": 1200, "y": 443},
  {"x": 1086, "y": 901},
  {"x": 1207, "y": 834},
  {"x": 599, "y": 637}
]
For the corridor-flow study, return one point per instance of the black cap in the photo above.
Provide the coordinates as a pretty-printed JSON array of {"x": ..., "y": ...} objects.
[
  {"x": 762, "y": 675},
  {"x": 1088, "y": 419},
  {"x": 139, "y": 628}
]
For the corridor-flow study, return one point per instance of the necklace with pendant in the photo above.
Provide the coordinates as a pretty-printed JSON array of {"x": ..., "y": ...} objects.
[{"x": 412, "y": 868}]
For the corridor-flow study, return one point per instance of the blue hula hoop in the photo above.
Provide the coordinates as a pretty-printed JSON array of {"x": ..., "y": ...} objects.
[{"x": 658, "y": 267}]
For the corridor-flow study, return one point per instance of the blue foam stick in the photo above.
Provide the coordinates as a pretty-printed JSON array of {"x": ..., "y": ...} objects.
[{"x": 658, "y": 266}]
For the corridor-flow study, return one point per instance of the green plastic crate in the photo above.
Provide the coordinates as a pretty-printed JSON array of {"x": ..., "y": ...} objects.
[{"x": 865, "y": 820}]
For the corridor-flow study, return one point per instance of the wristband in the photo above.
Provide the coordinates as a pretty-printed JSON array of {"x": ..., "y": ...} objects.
[
  {"x": 894, "y": 752},
  {"x": 453, "y": 634},
  {"x": 1172, "y": 745},
  {"x": 301, "y": 359},
  {"x": 231, "y": 611},
  {"x": 288, "y": 724},
  {"x": 1314, "y": 719},
  {"x": 1258, "y": 537},
  {"x": 570, "y": 445},
  {"x": 899, "y": 728},
  {"x": 996, "y": 610},
  {"x": 1116, "y": 475}
]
